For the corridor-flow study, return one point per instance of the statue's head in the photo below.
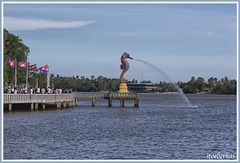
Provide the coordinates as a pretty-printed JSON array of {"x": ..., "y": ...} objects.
[{"x": 126, "y": 55}]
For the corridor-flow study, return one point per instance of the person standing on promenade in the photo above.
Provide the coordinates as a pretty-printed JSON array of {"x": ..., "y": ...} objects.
[
  {"x": 9, "y": 89},
  {"x": 43, "y": 91},
  {"x": 38, "y": 90},
  {"x": 49, "y": 90},
  {"x": 12, "y": 90},
  {"x": 25, "y": 90},
  {"x": 15, "y": 91}
]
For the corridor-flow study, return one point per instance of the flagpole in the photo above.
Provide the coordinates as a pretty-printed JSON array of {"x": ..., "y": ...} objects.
[
  {"x": 37, "y": 82},
  {"x": 15, "y": 72},
  {"x": 48, "y": 78},
  {"x": 27, "y": 75}
]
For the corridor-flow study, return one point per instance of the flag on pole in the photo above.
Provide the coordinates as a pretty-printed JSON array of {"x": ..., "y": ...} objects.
[
  {"x": 32, "y": 67},
  {"x": 43, "y": 72},
  {"x": 12, "y": 63},
  {"x": 44, "y": 69},
  {"x": 22, "y": 64}
]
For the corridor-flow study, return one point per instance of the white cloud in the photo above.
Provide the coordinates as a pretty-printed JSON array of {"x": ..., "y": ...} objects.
[{"x": 17, "y": 24}]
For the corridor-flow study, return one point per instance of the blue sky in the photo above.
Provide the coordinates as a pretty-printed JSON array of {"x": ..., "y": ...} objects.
[{"x": 183, "y": 40}]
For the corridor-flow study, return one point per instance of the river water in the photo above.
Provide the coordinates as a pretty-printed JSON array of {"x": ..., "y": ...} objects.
[{"x": 162, "y": 128}]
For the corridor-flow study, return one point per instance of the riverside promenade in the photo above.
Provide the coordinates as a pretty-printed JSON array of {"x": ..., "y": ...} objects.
[
  {"x": 64, "y": 100},
  {"x": 38, "y": 99}
]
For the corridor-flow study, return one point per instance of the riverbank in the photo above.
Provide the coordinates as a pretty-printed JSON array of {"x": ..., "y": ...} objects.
[{"x": 189, "y": 93}]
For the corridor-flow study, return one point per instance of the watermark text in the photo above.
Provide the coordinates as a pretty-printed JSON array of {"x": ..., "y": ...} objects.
[{"x": 219, "y": 155}]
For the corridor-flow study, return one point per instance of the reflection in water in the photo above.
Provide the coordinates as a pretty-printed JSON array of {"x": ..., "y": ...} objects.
[{"x": 123, "y": 109}]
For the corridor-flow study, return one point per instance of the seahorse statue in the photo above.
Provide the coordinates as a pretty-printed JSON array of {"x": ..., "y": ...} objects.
[{"x": 124, "y": 66}]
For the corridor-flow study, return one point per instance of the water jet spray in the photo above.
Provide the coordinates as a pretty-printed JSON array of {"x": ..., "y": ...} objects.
[{"x": 169, "y": 79}]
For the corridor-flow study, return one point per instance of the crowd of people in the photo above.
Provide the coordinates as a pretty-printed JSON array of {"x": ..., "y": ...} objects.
[{"x": 38, "y": 90}]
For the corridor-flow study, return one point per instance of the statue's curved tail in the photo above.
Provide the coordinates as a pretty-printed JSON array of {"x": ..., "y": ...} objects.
[
  {"x": 124, "y": 66},
  {"x": 121, "y": 66}
]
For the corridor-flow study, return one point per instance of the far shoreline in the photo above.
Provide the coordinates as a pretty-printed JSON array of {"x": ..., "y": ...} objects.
[
  {"x": 183, "y": 93},
  {"x": 173, "y": 93}
]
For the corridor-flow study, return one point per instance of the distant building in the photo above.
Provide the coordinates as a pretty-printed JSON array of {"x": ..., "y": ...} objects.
[
  {"x": 206, "y": 90},
  {"x": 142, "y": 87}
]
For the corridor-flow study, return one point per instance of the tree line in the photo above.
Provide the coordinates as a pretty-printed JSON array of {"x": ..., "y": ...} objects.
[
  {"x": 85, "y": 84},
  {"x": 199, "y": 85}
]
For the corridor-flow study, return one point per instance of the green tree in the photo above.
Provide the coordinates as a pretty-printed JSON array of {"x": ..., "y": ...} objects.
[
  {"x": 210, "y": 82},
  {"x": 200, "y": 84},
  {"x": 219, "y": 88},
  {"x": 14, "y": 48},
  {"x": 192, "y": 79}
]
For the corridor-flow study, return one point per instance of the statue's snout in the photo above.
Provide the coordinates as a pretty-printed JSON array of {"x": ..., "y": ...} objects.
[{"x": 128, "y": 56}]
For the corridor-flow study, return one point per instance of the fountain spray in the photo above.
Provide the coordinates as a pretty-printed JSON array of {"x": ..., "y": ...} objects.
[{"x": 169, "y": 79}]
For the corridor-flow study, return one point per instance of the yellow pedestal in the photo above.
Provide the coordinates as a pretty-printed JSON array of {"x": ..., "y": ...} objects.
[{"x": 123, "y": 88}]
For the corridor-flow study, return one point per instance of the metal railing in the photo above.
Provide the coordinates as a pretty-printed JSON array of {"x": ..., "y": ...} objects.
[
  {"x": 130, "y": 95},
  {"x": 90, "y": 95},
  {"x": 103, "y": 95},
  {"x": 78, "y": 95},
  {"x": 8, "y": 97}
]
